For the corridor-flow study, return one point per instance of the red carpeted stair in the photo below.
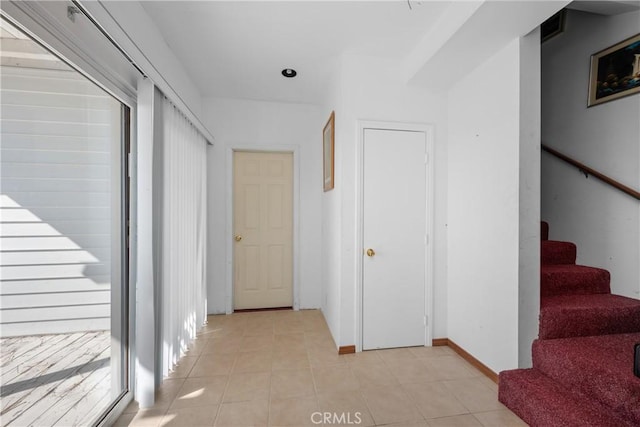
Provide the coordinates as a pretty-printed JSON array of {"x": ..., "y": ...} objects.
[
  {"x": 558, "y": 252},
  {"x": 578, "y": 362},
  {"x": 582, "y": 371},
  {"x": 562, "y": 279},
  {"x": 583, "y": 315}
]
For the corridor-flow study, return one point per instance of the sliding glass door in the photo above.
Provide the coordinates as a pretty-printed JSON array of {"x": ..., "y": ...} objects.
[{"x": 63, "y": 240}]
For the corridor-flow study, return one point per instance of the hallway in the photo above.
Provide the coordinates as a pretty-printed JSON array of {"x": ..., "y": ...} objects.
[{"x": 281, "y": 368}]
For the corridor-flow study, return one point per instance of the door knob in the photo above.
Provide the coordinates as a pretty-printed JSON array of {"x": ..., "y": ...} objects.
[
  {"x": 370, "y": 252},
  {"x": 238, "y": 237}
]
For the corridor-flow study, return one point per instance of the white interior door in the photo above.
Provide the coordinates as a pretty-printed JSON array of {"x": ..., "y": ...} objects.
[
  {"x": 263, "y": 222},
  {"x": 394, "y": 238}
]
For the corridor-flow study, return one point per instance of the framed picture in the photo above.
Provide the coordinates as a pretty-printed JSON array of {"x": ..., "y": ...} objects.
[
  {"x": 328, "y": 145},
  {"x": 553, "y": 26},
  {"x": 615, "y": 72}
]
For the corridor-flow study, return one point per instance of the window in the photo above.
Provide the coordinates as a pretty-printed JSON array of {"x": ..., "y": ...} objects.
[{"x": 64, "y": 258}]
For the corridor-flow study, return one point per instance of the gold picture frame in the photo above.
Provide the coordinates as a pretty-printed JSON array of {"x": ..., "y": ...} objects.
[
  {"x": 328, "y": 152},
  {"x": 615, "y": 72}
]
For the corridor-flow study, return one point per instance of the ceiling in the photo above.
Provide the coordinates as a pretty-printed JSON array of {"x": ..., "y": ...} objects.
[{"x": 237, "y": 49}]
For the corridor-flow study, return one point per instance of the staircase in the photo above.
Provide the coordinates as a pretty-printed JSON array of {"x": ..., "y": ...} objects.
[{"x": 582, "y": 371}]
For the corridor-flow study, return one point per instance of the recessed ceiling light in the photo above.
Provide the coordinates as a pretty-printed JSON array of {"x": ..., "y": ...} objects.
[{"x": 289, "y": 73}]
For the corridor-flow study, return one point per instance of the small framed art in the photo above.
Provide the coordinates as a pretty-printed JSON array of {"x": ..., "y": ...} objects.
[
  {"x": 328, "y": 148},
  {"x": 615, "y": 72}
]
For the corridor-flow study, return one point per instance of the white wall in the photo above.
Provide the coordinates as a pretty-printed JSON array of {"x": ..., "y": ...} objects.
[
  {"x": 474, "y": 31},
  {"x": 604, "y": 223},
  {"x": 331, "y": 211},
  {"x": 483, "y": 209},
  {"x": 256, "y": 124},
  {"x": 130, "y": 25},
  {"x": 370, "y": 88},
  {"x": 529, "y": 230}
]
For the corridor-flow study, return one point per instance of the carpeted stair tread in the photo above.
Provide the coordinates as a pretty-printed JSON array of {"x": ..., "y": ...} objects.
[
  {"x": 597, "y": 368},
  {"x": 542, "y": 402},
  {"x": 544, "y": 230},
  {"x": 582, "y": 371},
  {"x": 556, "y": 252},
  {"x": 568, "y": 316},
  {"x": 562, "y": 279}
]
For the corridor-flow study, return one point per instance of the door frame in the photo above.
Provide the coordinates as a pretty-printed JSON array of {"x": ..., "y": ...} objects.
[
  {"x": 263, "y": 148},
  {"x": 427, "y": 129}
]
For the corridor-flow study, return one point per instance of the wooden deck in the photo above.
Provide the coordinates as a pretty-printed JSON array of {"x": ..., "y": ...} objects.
[{"x": 55, "y": 380}]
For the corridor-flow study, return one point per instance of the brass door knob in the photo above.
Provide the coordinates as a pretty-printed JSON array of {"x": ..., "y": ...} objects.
[
  {"x": 238, "y": 237},
  {"x": 370, "y": 252}
]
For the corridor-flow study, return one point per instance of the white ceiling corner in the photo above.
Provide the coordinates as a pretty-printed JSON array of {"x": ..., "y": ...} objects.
[{"x": 236, "y": 49}]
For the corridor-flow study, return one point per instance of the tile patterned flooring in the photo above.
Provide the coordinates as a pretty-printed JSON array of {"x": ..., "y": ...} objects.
[{"x": 281, "y": 368}]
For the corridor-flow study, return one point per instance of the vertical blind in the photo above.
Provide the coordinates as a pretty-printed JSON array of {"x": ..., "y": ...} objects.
[{"x": 182, "y": 256}]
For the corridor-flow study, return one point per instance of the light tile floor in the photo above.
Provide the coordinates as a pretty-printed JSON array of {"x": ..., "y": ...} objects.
[{"x": 281, "y": 368}]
